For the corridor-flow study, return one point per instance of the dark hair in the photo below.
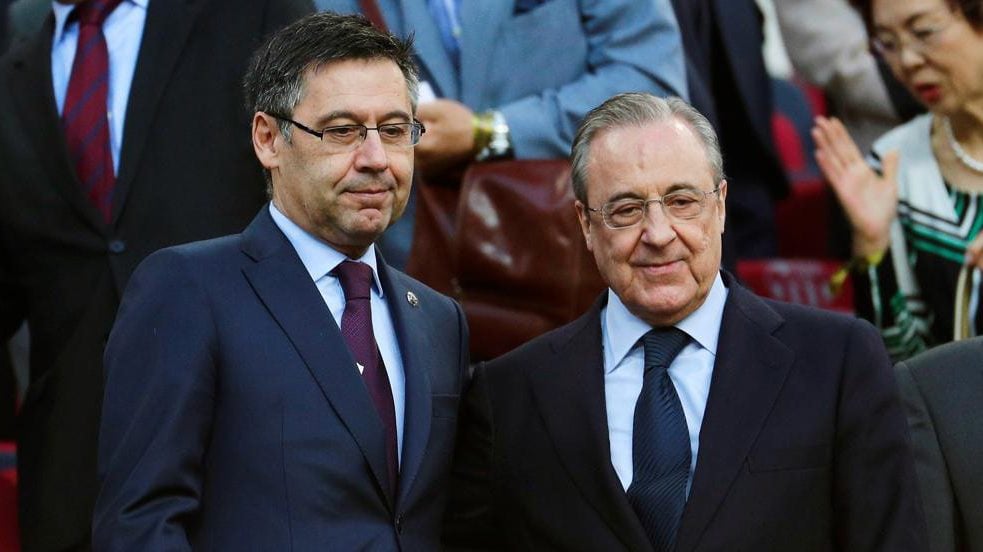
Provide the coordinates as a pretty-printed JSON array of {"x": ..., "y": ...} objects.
[
  {"x": 972, "y": 10},
  {"x": 638, "y": 109},
  {"x": 274, "y": 82}
]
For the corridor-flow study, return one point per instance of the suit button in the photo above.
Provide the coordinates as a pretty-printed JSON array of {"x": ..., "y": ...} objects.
[
  {"x": 117, "y": 246},
  {"x": 399, "y": 524}
]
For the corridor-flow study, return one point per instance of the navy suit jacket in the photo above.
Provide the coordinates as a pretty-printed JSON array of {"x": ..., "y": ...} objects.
[
  {"x": 234, "y": 418},
  {"x": 803, "y": 444},
  {"x": 943, "y": 394}
]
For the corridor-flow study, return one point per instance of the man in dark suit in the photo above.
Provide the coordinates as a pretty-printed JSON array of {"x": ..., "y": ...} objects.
[
  {"x": 285, "y": 389},
  {"x": 681, "y": 412},
  {"x": 729, "y": 84},
  {"x": 942, "y": 391},
  {"x": 178, "y": 170}
]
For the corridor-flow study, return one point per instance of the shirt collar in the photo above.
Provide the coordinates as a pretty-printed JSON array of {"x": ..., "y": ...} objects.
[
  {"x": 318, "y": 257},
  {"x": 62, "y": 11},
  {"x": 624, "y": 329}
]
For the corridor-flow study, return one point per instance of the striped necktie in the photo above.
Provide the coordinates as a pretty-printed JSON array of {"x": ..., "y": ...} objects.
[
  {"x": 84, "y": 116},
  {"x": 660, "y": 443}
]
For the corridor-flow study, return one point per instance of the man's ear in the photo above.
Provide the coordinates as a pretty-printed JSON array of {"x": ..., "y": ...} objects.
[
  {"x": 265, "y": 134},
  {"x": 583, "y": 215}
]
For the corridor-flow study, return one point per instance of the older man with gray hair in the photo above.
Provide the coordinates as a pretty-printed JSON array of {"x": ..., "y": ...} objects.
[{"x": 681, "y": 412}]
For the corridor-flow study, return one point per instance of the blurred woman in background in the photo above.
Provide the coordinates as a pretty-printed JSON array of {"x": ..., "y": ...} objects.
[{"x": 915, "y": 210}]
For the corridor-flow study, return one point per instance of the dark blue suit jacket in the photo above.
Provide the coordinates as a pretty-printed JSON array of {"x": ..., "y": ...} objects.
[
  {"x": 234, "y": 419},
  {"x": 803, "y": 445}
]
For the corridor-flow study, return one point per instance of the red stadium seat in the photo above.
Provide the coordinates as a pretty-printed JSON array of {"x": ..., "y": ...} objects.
[
  {"x": 9, "y": 538},
  {"x": 803, "y": 281}
]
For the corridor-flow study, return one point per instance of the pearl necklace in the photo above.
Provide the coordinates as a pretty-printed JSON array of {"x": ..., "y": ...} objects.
[{"x": 961, "y": 154}]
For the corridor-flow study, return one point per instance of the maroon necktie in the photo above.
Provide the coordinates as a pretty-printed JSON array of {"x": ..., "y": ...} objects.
[
  {"x": 356, "y": 328},
  {"x": 84, "y": 114}
]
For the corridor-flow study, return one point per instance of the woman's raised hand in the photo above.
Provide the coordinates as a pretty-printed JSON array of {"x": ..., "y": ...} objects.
[{"x": 869, "y": 200}]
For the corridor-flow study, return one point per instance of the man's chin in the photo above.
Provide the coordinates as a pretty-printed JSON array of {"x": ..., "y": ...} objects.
[
  {"x": 662, "y": 305},
  {"x": 371, "y": 220}
]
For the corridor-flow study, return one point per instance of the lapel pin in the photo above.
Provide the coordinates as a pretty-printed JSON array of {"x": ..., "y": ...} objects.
[
  {"x": 360, "y": 367},
  {"x": 411, "y": 299}
]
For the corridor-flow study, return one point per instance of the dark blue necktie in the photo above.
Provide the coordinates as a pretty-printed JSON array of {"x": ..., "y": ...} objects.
[{"x": 660, "y": 443}]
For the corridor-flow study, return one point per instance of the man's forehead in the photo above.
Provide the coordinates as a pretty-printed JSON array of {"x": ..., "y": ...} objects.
[
  {"x": 655, "y": 135},
  {"x": 365, "y": 88},
  {"x": 665, "y": 150}
]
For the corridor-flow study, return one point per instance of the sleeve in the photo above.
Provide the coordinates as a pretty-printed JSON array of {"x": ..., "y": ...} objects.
[
  {"x": 903, "y": 319},
  {"x": 875, "y": 495},
  {"x": 904, "y": 324},
  {"x": 633, "y": 46},
  {"x": 157, "y": 410},
  {"x": 470, "y": 520},
  {"x": 933, "y": 478},
  {"x": 13, "y": 306}
]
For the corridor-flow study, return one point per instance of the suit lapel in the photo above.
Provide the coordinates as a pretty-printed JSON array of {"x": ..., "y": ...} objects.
[
  {"x": 279, "y": 279},
  {"x": 416, "y": 344},
  {"x": 35, "y": 102},
  {"x": 748, "y": 375},
  {"x": 430, "y": 49},
  {"x": 482, "y": 21},
  {"x": 569, "y": 391},
  {"x": 164, "y": 36}
]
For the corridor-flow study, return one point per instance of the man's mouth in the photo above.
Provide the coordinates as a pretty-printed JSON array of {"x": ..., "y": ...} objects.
[{"x": 659, "y": 267}]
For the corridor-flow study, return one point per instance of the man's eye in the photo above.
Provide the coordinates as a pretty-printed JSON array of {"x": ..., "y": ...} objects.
[
  {"x": 394, "y": 132},
  {"x": 679, "y": 201},
  {"x": 923, "y": 34},
  {"x": 342, "y": 132},
  {"x": 626, "y": 210}
]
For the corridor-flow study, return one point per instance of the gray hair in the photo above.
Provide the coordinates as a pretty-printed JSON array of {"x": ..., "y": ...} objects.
[
  {"x": 637, "y": 109},
  {"x": 274, "y": 82}
]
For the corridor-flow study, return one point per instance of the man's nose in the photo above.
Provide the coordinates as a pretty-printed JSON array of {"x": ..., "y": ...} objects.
[
  {"x": 657, "y": 229},
  {"x": 371, "y": 155}
]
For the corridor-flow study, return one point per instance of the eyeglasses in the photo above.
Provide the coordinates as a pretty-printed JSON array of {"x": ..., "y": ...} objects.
[
  {"x": 920, "y": 38},
  {"x": 344, "y": 138},
  {"x": 681, "y": 205}
]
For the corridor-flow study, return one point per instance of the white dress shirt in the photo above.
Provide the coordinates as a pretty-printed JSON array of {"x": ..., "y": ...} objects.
[
  {"x": 320, "y": 259},
  {"x": 690, "y": 371},
  {"x": 123, "y": 30}
]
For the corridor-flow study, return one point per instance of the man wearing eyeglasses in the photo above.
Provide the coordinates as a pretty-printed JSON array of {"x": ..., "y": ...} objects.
[
  {"x": 285, "y": 389},
  {"x": 681, "y": 412}
]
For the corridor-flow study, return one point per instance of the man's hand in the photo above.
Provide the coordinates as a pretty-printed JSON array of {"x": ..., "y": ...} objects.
[{"x": 449, "y": 141}]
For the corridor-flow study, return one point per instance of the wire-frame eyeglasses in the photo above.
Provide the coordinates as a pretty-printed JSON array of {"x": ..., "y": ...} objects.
[
  {"x": 342, "y": 138},
  {"x": 680, "y": 205}
]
